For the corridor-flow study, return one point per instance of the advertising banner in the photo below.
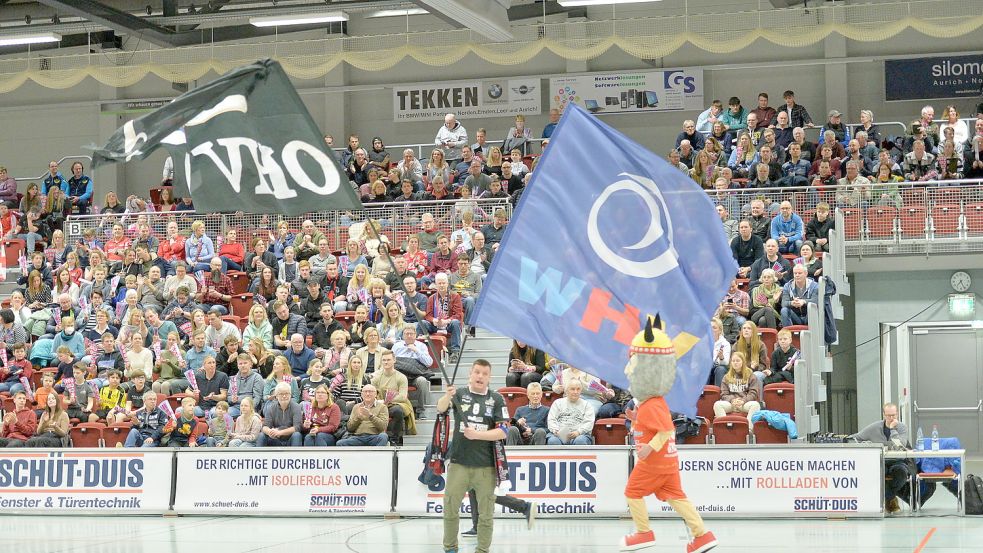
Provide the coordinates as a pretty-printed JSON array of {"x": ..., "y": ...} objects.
[
  {"x": 566, "y": 482},
  {"x": 486, "y": 98},
  {"x": 780, "y": 481},
  {"x": 936, "y": 77},
  {"x": 638, "y": 91},
  {"x": 291, "y": 481},
  {"x": 89, "y": 481}
]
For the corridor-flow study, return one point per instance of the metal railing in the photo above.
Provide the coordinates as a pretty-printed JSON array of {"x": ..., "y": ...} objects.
[
  {"x": 44, "y": 174},
  {"x": 423, "y": 149},
  {"x": 398, "y": 221}
]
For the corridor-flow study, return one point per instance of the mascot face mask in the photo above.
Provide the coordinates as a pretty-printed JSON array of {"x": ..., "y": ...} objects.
[{"x": 651, "y": 368}]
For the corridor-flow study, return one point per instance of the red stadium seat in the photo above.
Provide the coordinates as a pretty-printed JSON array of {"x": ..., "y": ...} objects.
[
  {"x": 796, "y": 331},
  {"x": 240, "y": 304},
  {"x": 87, "y": 434},
  {"x": 913, "y": 196},
  {"x": 549, "y": 396},
  {"x": 234, "y": 319},
  {"x": 610, "y": 432},
  {"x": 731, "y": 429},
  {"x": 912, "y": 222},
  {"x": 974, "y": 219},
  {"x": 346, "y": 318},
  {"x": 780, "y": 397},
  {"x": 12, "y": 249},
  {"x": 174, "y": 400},
  {"x": 765, "y": 434},
  {"x": 769, "y": 336},
  {"x": 116, "y": 433},
  {"x": 8, "y": 404},
  {"x": 945, "y": 220},
  {"x": 439, "y": 346},
  {"x": 155, "y": 196},
  {"x": 852, "y": 222},
  {"x": 703, "y": 437},
  {"x": 948, "y": 195},
  {"x": 240, "y": 282},
  {"x": 704, "y": 405},
  {"x": 880, "y": 221},
  {"x": 515, "y": 397}
]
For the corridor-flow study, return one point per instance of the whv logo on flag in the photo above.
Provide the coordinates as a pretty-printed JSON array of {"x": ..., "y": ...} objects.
[{"x": 606, "y": 234}]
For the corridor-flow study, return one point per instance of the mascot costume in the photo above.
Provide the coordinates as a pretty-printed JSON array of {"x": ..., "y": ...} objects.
[{"x": 651, "y": 371}]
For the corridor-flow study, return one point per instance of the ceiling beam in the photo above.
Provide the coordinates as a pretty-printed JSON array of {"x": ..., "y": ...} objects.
[{"x": 117, "y": 20}]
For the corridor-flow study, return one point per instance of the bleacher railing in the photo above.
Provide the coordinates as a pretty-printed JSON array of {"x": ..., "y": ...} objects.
[
  {"x": 423, "y": 150},
  {"x": 398, "y": 220},
  {"x": 61, "y": 167}
]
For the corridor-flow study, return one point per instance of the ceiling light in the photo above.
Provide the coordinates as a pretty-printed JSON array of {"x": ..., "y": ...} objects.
[
  {"x": 298, "y": 19},
  {"x": 35, "y": 38},
  {"x": 398, "y": 13},
  {"x": 576, "y": 3}
]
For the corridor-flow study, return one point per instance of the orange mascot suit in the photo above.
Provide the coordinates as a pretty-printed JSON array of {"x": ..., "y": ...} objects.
[{"x": 651, "y": 371}]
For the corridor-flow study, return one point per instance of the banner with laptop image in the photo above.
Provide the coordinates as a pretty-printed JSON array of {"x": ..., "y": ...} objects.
[{"x": 637, "y": 91}]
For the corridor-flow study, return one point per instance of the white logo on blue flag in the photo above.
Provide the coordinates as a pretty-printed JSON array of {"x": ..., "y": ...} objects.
[
  {"x": 606, "y": 234},
  {"x": 660, "y": 225}
]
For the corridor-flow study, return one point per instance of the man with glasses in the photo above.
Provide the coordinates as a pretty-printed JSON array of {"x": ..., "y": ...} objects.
[
  {"x": 892, "y": 433},
  {"x": 282, "y": 420}
]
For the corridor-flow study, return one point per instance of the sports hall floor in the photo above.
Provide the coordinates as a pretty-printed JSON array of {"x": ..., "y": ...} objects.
[{"x": 932, "y": 531}]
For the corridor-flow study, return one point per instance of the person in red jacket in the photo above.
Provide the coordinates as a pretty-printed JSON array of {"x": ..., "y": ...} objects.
[
  {"x": 231, "y": 252},
  {"x": 20, "y": 425},
  {"x": 171, "y": 249},
  {"x": 445, "y": 312}
]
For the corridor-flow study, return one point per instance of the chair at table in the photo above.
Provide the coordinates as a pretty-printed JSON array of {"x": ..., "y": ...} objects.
[{"x": 944, "y": 470}]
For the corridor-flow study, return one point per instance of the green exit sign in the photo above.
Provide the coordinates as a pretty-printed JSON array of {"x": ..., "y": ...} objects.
[{"x": 962, "y": 305}]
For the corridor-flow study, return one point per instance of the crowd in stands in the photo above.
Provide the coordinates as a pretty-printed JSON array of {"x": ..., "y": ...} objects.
[{"x": 131, "y": 316}]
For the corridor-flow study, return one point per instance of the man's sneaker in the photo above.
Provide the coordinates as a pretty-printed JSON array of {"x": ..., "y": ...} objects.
[
  {"x": 638, "y": 540},
  {"x": 455, "y": 355},
  {"x": 472, "y": 533},
  {"x": 892, "y": 505},
  {"x": 530, "y": 513},
  {"x": 706, "y": 542}
]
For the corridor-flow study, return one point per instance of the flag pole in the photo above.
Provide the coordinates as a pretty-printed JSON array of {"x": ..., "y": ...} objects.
[{"x": 419, "y": 314}]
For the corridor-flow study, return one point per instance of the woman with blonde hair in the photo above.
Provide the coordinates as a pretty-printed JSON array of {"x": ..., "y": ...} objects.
[
  {"x": 493, "y": 165},
  {"x": 261, "y": 355},
  {"x": 351, "y": 258},
  {"x": 324, "y": 420},
  {"x": 358, "y": 286},
  {"x": 55, "y": 209},
  {"x": 371, "y": 352},
  {"x": 259, "y": 326},
  {"x": 391, "y": 329},
  {"x": 766, "y": 300},
  {"x": 704, "y": 170},
  {"x": 750, "y": 345},
  {"x": 743, "y": 156},
  {"x": 438, "y": 167},
  {"x": 247, "y": 426},
  {"x": 347, "y": 386},
  {"x": 336, "y": 358},
  {"x": 739, "y": 390},
  {"x": 281, "y": 373}
]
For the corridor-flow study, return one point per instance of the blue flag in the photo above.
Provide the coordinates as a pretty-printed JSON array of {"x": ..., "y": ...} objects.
[{"x": 606, "y": 234}]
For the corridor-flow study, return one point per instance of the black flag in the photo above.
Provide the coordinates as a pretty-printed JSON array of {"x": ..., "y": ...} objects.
[{"x": 244, "y": 142}]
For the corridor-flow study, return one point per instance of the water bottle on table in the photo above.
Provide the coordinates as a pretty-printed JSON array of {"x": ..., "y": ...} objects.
[
  {"x": 920, "y": 440},
  {"x": 935, "y": 437}
]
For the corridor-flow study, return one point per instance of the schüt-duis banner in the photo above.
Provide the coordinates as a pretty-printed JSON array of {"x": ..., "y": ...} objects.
[
  {"x": 486, "y": 98},
  {"x": 935, "y": 77},
  {"x": 80, "y": 481},
  {"x": 563, "y": 482},
  {"x": 780, "y": 481},
  {"x": 345, "y": 481}
]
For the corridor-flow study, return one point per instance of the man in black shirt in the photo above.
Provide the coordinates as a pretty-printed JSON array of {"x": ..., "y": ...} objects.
[
  {"x": 747, "y": 248},
  {"x": 479, "y": 416}
]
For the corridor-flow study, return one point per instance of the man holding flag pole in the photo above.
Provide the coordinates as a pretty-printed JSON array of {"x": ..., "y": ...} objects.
[{"x": 626, "y": 248}]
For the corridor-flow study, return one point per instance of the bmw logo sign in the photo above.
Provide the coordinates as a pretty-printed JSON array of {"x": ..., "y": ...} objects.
[{"x": 495, "y": 91}]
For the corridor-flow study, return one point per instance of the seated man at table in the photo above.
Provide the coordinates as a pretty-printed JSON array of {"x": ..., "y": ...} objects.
[{"x": 897, "y": 472}]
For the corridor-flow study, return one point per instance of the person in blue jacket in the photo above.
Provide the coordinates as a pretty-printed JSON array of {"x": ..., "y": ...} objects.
[
  {"x": 78, "y": 189},
  {"x": 787, "y": 229},
  {"x": 54, "y": 178}
]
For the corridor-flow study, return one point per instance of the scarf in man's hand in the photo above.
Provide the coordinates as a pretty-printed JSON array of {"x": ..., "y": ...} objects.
[{"x": 437, "y": 455}]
